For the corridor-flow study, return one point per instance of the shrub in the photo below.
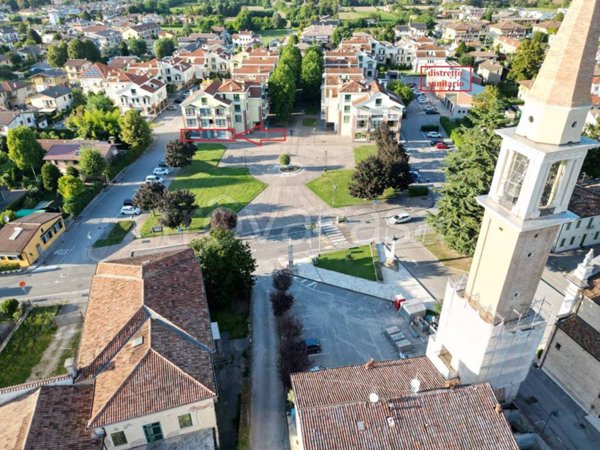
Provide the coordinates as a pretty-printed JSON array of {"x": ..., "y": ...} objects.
[
  {"x": 418, "y": 191},
  {"x": 284, "y": 159},
  {"x": 456, "y": 137},
  {"x": 75, "y": 206},
  {"x": 6, "y": 267},
  {"x": 282, "y": 279},
  {"x": 430, "y": 128},
  {"x": 9, "y": 307}
]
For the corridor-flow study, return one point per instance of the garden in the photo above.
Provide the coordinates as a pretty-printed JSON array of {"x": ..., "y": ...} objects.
[{"x": 356, "y": 261}]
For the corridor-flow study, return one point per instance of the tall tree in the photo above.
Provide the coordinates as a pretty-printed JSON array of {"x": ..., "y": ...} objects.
[
  {"x": 57, "y": 54},
  {"x": 137, "y": 46},
  {"x": 396, "y": 172},
  {"x": 527, "y": 60},
  {"x": 401, "y": 90},
  {"x": 92, "y": 165},
  {"x": 227, "y": 266},
  {"x": 149, "y": 196},
  {"x": 99, "y": 102},
  {"x": 281, "y": 302},
  {"x": 282, "y": 91},
  {"x": 179, "y": 154},
  {"x": 83, "y": 49},
  {"x": 50, "y": 175},
  {"x": 94, "y": 124},
  {"x": 123, "y": 50},
  {"x": 163, "y": 47},
  {"x": 223, "y": 218},
  {"x": 70, "y": 187},
  {"x": 23, "y": 148},
  {"x": 177, "y": 208},
  {"x": 312, "y": 74},
  {"x": 489, "y": 109},
  {"x": 33, "y": 37},
  {"x": 135, "y": 130},
  {"x": 367, "y": 180}
]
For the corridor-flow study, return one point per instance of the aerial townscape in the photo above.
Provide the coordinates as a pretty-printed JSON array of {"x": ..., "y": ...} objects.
[{"x": 299, "y": 224}]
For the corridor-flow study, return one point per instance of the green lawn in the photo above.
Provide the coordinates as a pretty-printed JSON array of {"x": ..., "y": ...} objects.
[
  {"x": 363, "y": 152},
  {"x": 229, "y": 187},
  {"x": 116, "y": 235},
  {"x": 339, "y": 196},
  {"x": 25, "y": 349},
  {"x": 268, "y": 35},
  {"x": 308, "y": 122},
  {"x": 384, "y": 16},
  {"x": 356, "y": 261}
]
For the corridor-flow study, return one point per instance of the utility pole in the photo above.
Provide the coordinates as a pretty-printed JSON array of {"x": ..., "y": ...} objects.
[{"x": 325, "y": 160}]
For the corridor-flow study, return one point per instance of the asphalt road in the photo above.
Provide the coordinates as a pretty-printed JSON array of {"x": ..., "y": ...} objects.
[{"x": 66, "y": 270}]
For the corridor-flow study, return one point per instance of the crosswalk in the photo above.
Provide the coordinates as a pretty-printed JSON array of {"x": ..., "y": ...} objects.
[{"x": 333, "y": 233}]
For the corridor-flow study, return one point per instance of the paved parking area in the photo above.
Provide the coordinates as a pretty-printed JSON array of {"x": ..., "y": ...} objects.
[{"x": 350, "y": 326}]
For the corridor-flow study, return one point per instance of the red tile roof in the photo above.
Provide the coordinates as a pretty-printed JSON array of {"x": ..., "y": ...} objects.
[{"x": 582, "y": 333}]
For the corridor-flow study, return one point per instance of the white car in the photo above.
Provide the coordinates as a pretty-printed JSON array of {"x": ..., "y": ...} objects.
[
  {"x": 434, "y": 135},
  {"x": 172, "y": 107},
  {"x": 399, "y": 218},
  {"x": 130, "y": 210},
  {"x": 160, "y": 171},
  {"x": 422, "y": 99},
  {"x": 154, "y": 179}
]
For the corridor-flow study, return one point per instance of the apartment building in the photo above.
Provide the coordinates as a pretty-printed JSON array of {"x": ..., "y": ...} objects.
[
  {"x": 74, "y": 68},
  {"x": 507, "y": 29},
  {"x": 254, "y": 65},
  {"x": 146, "y": 31},
  {"x": 245, "y": 38},
  {"x": 223, "y": 107},
  {"x": 318, "y": 34},
  {"x": 174, "y": 71},
  {"x": 458, "y": 32}
]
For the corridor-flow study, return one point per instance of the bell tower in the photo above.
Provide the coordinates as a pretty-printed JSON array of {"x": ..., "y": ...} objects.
[{"x": 489, "y": 330}]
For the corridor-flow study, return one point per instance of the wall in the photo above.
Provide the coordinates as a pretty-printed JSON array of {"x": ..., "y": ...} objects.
[
  {"x": 571, "y": 236},
  {"x": 575, "y": 370},
  {"x": 30, "y": 252},
  {"x": 203, "y": 416},
  {"x": 590, "y": 312}
]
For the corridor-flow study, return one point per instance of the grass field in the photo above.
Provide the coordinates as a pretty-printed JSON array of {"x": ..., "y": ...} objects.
[
  {"x": 268, "y": 35},
  {"x": 435, "y": 244},
  {"x": 366, "y": 13},
  {"x": 356, "y": 261},
  {"x": 25, "y": 349},
  {"x": 116, "y": 235},
  {"x": 333, "y": 187},
  {"x": 229, "y": 187},
  {"x": 308, "y": 122}
]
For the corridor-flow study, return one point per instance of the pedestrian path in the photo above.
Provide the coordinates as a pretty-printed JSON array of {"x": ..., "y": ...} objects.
[{"x": 333, "y": 233}]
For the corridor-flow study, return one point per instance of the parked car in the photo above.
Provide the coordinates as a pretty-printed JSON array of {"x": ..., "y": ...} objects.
[
  {"x": 160, "y": 171},
  {"x": 163, "y": 163},
  {"x": 422, "y": 99},
  {"x": 172, "y": 107},
  {"x": 441, "y": 146},
  {"x": 130, "y": 210},
  {"x": 433, "y": 135},
  {"x": 127, "y": 202},
  {"x": 431, "y": 111},
  {"x": 178, "y": 101},
  {"x": 154, "y": 179},
  {"x": 416, "y": 177},
  {"x": 313, "y": 345},
  {"x": 399, "y": 218},
  {"x": 434, "y": 142}
]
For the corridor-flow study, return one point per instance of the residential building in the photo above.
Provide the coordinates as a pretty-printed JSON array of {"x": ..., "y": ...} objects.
[
  {"x": 8, "y": 35},
  {"x": 147, "y": 347},
  {"x": 52, "y": 100},
  {"x": 490, "y": 72},
  {"x": 174, "y": 71},
  {"x": 24, "y": 240},
  {"x": 318, "y": 34},
  {"x": 146, "y": 31},
  {"x": 585, "y": 231},
  {"x": 394, "y": 405},
  {"x": 547, "y": 27},
  {"x": 429, "y": 55},
  {"x": 49, "y": 78},
  {"x": 508, "y": 29},
  {"x": 524, "y": 88},
  {"x": 572, "y": 357},
  {"x": 245, "y": 38},
  {"x": 596, "y": 85},
  {"x": 221, "y": 108},
  {"x": 490, "y": 328},
  {"x": 413, "y": 29},
  {"x": 138, "y": 92},
  {"x": 255, "y": 65},
  {"x": 14, "y": 93},
  {"x": 93, "y": 79},
  {"x": 458, "y": 32},
  {"x": 13, "y": 119},
  {"x": 507, "y": 45},
  {"x": 74, "y": 69},
  {"x": 65, "y": 152}
]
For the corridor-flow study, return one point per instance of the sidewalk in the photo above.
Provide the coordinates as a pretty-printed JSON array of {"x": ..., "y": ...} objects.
[{"x": 399, "y": 282}]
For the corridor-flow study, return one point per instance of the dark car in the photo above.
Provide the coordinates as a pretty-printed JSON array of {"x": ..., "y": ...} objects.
[
  {"x": 313, "y": 346},
  {"x": 178, "y": 100},
  {"x": 431, "y": 111},
  {"x": 127, "y": 202}
]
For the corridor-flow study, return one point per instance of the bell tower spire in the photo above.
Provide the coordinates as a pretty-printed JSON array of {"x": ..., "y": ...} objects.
[{"x": 488, "y": 329}]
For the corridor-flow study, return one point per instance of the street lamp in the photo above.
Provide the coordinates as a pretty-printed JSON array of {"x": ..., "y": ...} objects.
[
  {"x": 314, "y": 136},
  {"x": 325, "y": 160},
  {"x": 554, "y": 413}
]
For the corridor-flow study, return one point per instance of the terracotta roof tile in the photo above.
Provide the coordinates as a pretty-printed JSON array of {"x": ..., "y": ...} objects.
[{"x": 581, "y": 332}]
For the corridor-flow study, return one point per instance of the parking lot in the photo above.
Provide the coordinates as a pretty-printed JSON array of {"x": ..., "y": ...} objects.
[{"x": 350, "y": 326}]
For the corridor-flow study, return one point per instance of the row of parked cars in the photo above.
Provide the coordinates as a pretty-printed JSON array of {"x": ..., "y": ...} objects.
[
  {"x": 423, "y": 101},
  {"x": 128, "y": 208}
]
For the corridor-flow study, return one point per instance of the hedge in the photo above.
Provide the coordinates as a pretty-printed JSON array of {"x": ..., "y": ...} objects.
[
  {"x": 6, "y": 267},
  {"x": 430, "y": 128},
  {"x": 418, "y": 191},
  {"x": 448, "y": 124},
  {"x": 122, "y": 160},
  {"x": 78, "y": 204}
]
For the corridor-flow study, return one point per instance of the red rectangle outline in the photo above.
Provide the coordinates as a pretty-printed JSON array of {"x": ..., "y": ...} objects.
[{"x": 447, "y": 90}]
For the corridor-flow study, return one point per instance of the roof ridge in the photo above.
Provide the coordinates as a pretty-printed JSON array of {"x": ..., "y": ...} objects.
[
  {"x": 179, "y": 369},
  {"x": 176, "y": 329},
  {"x": 37, "y": 394}
]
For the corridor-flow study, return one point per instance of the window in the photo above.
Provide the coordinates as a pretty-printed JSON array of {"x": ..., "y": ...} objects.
[
  {"x": 221, "y": 123},
  {"x": 190, "y": 111},
  {"x": 238, "y": 118},
  {"x": 562, "y": 242},
  {"x": 378, "y": 102},
  {"x": 511, "y": 187},
  {"x": 185, "y": 421},
  {"x": 203, "y": 101},
  {"x": 347, "y": 108},
  {"x": 596, "y": 235},
  {"x": 236, "y": 97},
  {"x": 347, "y": 97},
  {"x": 118, "y": 438},
  {"x": 237, "y": 108},
  {"x": 153, "y": 432},
  {"x": 553, "y": 180},
  {"x": 572, "y": 240},
  {"x": 568, "y": 226},
  {"x": 557, "y": 346},
  {"x": 577, "y": 224},
  {"x": 191, "y": 122},
  {"x": 346, "y": 119}
]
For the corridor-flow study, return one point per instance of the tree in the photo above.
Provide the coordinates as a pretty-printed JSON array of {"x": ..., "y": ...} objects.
[
  {"x": 277, "y": 21},
  {"x": 123, "y": 50},
  {"x": 396, "y": 172},
  {"x": 227, "y": 266},
  {"x": 70, "y": 187},
  {"x": 488, "y": 109},
  {"x": 281, "y": 302},
  {"x": 23, "y": 148},
  {"x": 367, "y": 180},
  {"x": 99, "y": 102},
  {"x": 527, "y": 60},
  {"x": 149, "y": 196},
  {"x": 163, "y": 47},
  {"x": 72, "y": 171},
  {"x": 135, "y": 130},
  {"x": 467, "y": 60},
  {"x": 91, "y": 163},
  {"x": 469, "y": 172},
  {"x": 83, "y": 49},
  {"x": 179, "y": 154},
  {"x": 284, "y": 159},
  {"x": 33, "y": 36},
  {"x": 282, "y": 279},
  {"x": 78, "y": 97},
  {"x": 293, "y": 357},
  {"x": 50, "y": 175},
  {"x": 291, "y": 56},
  {"x": 311, "y": 75},
  {"x": 8, "y": 308},
  {"x": 137, "y": 46},
  {"x": 94, "y": 124},
  {"x": 223, "y": 218},
  {"x": 401, "y": 90},
  {"x": 282, "y": 91},
  {"x": 290, "y": 327},
  {"x": 177, "y": 208},
  {"x": 591, "y": 164}
]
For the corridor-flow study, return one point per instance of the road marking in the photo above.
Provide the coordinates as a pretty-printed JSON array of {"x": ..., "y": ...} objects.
[{"x": 61, "y": 251}]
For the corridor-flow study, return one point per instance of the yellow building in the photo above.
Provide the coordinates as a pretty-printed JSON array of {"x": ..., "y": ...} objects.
[{"x": 25, "y": 240}]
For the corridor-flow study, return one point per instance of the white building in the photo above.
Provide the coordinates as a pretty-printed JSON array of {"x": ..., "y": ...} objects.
[
  {"x": 52, "y": 100},
  {"x": 13, "y": 119},
  {"x": 584, "y": 231},
  {"x": 245, "y": 38},
  {"x": 174, "y": 71}
]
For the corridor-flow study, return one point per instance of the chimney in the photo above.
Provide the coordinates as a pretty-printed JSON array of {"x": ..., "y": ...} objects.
[
  {"x": 498, "y": 408},
  {"x": 370, "y": 364}
]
